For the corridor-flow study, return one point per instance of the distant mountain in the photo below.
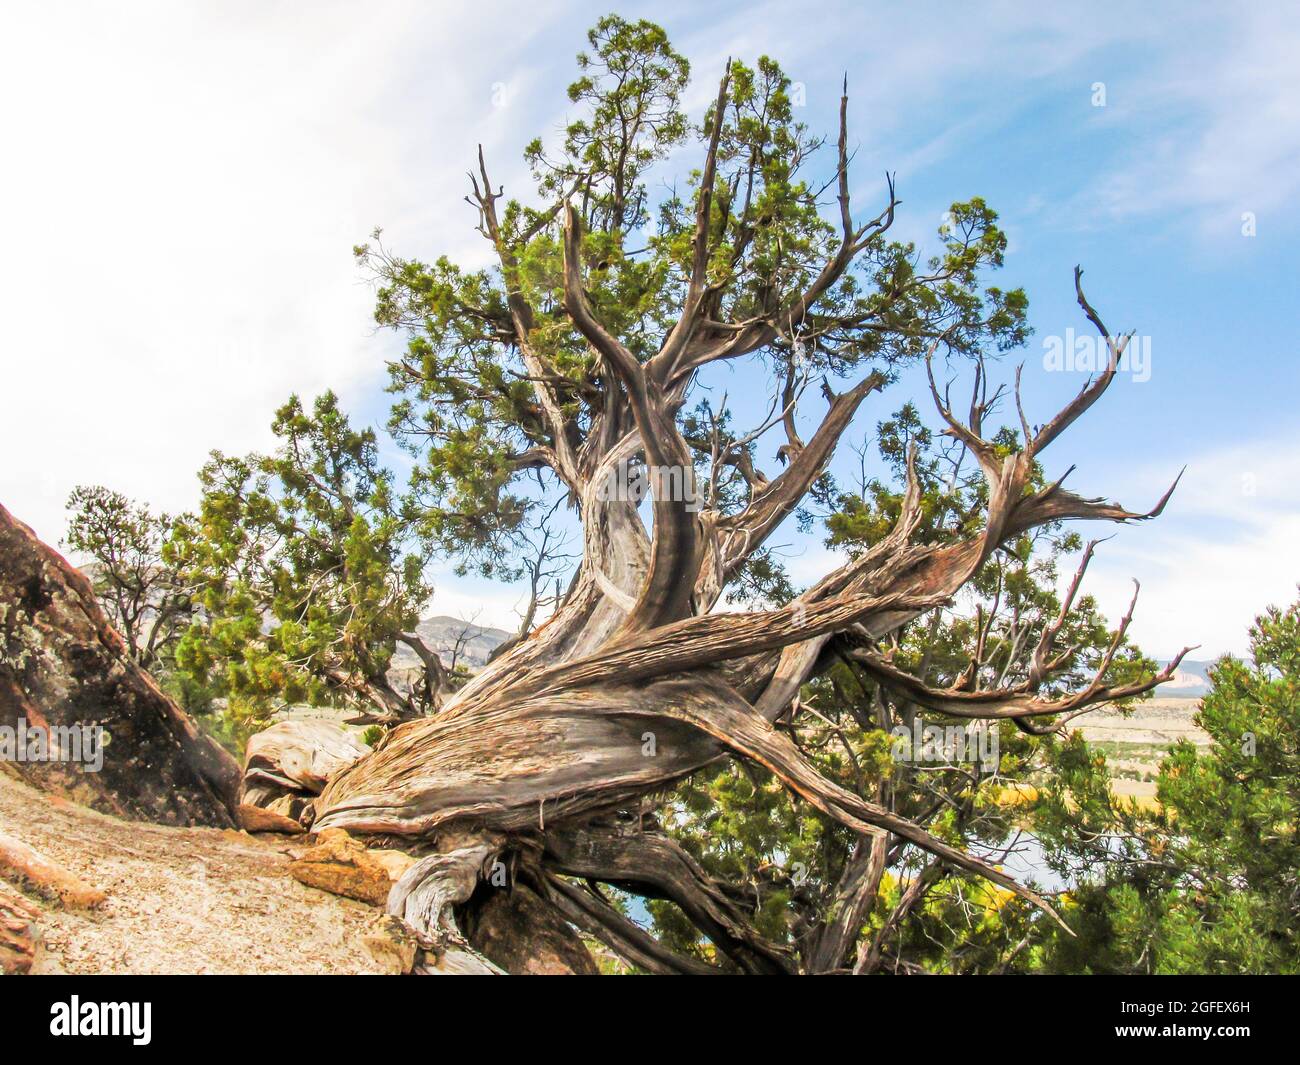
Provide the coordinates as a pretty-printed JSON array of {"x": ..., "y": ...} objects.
[
  {"x": 444, "y": 634},
  {"x": 1190, "y": 681}
]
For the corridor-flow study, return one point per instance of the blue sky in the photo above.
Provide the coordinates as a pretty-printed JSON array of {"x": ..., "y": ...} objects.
[{"x": 183, "y": 189}]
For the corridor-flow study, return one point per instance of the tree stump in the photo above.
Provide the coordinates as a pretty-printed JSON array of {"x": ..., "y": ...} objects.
[{"x": 286, "y": 766}]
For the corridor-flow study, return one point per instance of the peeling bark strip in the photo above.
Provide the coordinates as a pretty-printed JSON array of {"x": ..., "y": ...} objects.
[{"x": 63, "y": 665}]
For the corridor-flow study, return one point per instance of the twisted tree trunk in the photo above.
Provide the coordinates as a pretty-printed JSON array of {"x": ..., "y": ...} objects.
[
  {"x": 636, "y": 683},
  {"x": 572, "y": 727}
]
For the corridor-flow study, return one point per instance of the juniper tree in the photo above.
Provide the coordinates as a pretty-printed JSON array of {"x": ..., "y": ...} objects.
[
  {"x": 306, "y": 577},
  {"x": 123, "y": 545},
  {"x": 592, "y": 348},
  {"x": 1206, "y": 881}
]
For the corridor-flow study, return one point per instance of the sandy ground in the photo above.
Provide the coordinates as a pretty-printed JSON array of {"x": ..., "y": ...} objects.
[
  {"x": 1135, "y": 745},
  {"x": 182, "y": 900},
  {"x": 1157, "y": 722}
]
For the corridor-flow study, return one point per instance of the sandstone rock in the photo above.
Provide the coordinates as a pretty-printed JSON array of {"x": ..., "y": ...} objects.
[
  {"x": 344, "y": 866},
  {"x": 63, "y": 667},
  {"x": 392, "y": 943}
]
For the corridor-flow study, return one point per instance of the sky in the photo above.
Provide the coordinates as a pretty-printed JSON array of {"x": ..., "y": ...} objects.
[{"x": 182, "y": 186}]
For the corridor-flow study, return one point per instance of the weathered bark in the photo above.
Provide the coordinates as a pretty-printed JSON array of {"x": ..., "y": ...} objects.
[
  {"x": 63, "y": 666},
  {"x": 653, "y": 865},
  {"x": 585, "y": 909},
  {"x": 513, "y": 928},
  {"x": 855, "y": 895},
  {"x": 20, "y": 937},
  {"x": 427, "y": 896},
  {"x": 286, "y": 766},
  {"x": 300, "y": 755},
  {"x": 519, "y": 764}
]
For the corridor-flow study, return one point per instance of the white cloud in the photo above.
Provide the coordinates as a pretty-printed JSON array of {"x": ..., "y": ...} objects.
[
  {"x": 1224, "y": 549},
  {"x": 183, "y": 184},
  {"x": 1233, "y": 125},
  {"x": 182, "y": 189}
]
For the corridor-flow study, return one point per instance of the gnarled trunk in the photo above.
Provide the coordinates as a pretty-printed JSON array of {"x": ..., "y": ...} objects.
[
  {"x": 636, "y": 682},
  {"x": 564, "y": 734}
]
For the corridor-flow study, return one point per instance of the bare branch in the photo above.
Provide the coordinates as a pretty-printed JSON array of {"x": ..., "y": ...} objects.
[
  {"x": 1091, "y": 391},
  {"x": 681, "y": 332},
  {"x": 653, "y": 864},
  {"x": 597, "y": 917},
  {"x": 676, "y": 548},
  {"x": 1021, "y": 700}
]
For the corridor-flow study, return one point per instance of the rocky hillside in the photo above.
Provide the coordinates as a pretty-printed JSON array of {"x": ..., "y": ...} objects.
[
  {"x": 469, "y": 643},
  {"x": 1191, "y": 681}
]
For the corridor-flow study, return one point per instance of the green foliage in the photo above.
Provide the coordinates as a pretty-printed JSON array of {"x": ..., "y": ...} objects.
[
  {"x": 122, "y": 545},
  {"x": 303, "y": 566},
  {"x": 1208, "y": 882},
  {"x": 632, "y": 81},
  {"x": 482, "y": 343}
]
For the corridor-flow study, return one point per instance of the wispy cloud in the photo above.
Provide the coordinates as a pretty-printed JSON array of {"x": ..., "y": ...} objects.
[
  {"x": 182, "y": 189},
  {"x": 1225, "y": 126},
  {"x": 1225, "y": 548}
]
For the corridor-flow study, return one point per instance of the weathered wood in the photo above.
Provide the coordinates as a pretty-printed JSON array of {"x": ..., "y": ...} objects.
[
  {"x": 285, "y": 766},
  {"x": 20, "y": 938},
  {"x": 520, "y": 764},
  {"x": 427, "y": 895},
  {"x": 301, "y": 755},
  {"x": 20, "y": 862},
  {"x": 654, "y": 865},
  {"x": 265, "y": 809},
  {"x": 513, "y": 928},
  {"x": 64, "y": 667}
]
